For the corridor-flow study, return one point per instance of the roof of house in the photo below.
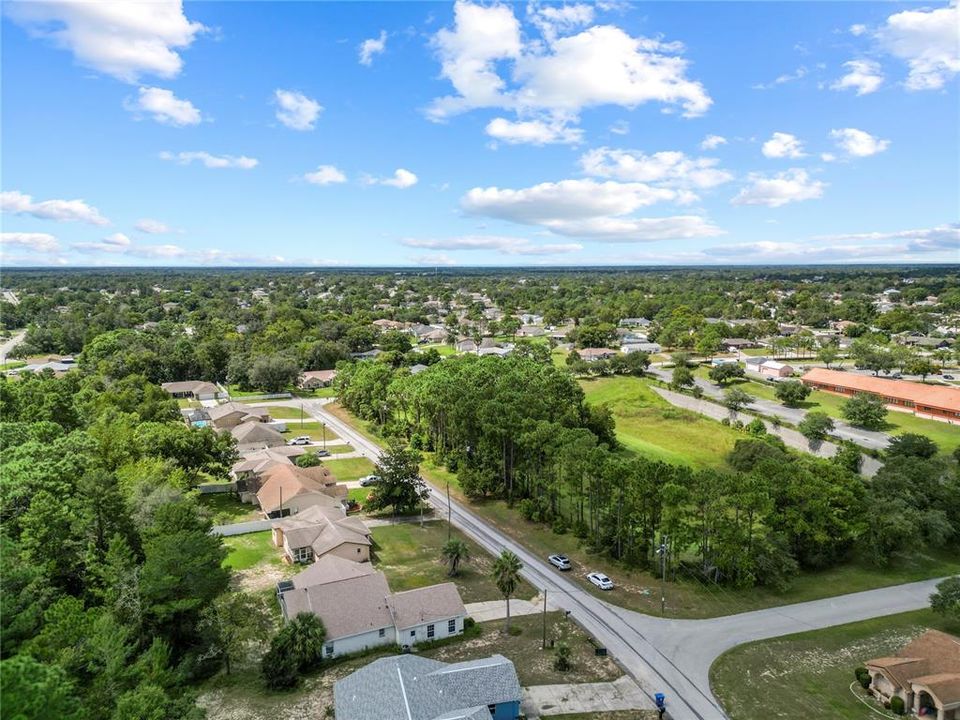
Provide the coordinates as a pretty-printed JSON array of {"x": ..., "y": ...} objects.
[
  {"x": 283, "y": 482},
  {"x": 427, "y": 604},
  {"x": 254, "y": 431},
  {"x": 322, "y": 375},
  {"x": 939, "y": 396},
  {"x": 322, "y": 528},
  {"x": 409, "y": 687},
  {"x": 348, "y": 607},
  {"x": 596, "y": 352},
  {"x": 191, "y": 386},
  {"x": 932, "y": 660},
  {"x": 331, "y": 568},
  {"x": 259, "y": 460},
  {"x": 229, "y": 408}
]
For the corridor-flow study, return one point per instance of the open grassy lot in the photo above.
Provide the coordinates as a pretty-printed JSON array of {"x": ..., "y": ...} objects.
[
  {"x": 349, "y": 469},
  {"x": 649, "y": 425},
  {"x": 442, "y": 348},
  {"x": 809, "y": 674},
  {"x": 534, "y": 664},
  {"x": 247, "y": 551},
  {"x": 409, "y": 555},
  {"x": 311, "y": 428},
  {"x": 361, "y": 426},
  {"x": 226, "y": 508}
]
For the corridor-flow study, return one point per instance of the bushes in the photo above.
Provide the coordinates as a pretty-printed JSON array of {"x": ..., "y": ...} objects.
[
  {"x": 296, "y": 648},
  {"x": 897, "y": 705},
  {"x": 863, "y": 677}
]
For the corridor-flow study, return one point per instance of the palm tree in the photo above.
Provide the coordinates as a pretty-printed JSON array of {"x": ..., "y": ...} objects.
[
  {"x": 454, "y": 552},
  {"x": 506, "y": 574},
  {"x": 306, "y": 637}
]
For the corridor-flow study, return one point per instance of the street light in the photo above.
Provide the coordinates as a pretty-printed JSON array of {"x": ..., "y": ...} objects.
[{"x": 662, "y": 552}]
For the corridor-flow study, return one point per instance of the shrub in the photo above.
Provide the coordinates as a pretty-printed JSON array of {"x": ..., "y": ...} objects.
[
  {"x": 725, "y": 421},
  {"x": 896, "y": 705},
  {"x": 559, "y": 526},
  {"x": 562, "y": 660},
  {"x": 756, "y": 427},
  {"x": 863, "y": 677},
  {"x": 468, "y": 622},
  {"x": 279, "y": 668},
  {"x": 527, "y": 508}
]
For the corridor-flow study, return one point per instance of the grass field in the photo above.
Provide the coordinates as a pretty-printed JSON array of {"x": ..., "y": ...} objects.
[
  {"x": 409, "y": 555},
  {"x": 361, "y": 426},
  {"x": 313, "y": 429},
  {"x": 442, "y": 348},
  {"x": 226, "y": 508},
  {"x": 349, "y": 469},
  {"x": 649, "y": 425},
  {"x": 247, "y": 551},
  {"x": 809, "y": 674}
]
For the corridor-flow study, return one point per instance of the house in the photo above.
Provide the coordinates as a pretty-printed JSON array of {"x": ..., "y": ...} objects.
[
  {"x": 409, "y": 687},
  {"x": 255, "y": 435},
  {"x": 594, "y": 354},
  {"x": 531, "y": 331},
  {"x": 645, "y": 347},
  {"x": 768, "y": 368},
  {"x": 257, "y": 461},
  {"x": 734, "y": 344},
  {"x": 359, "y": 611},
  {"x": 466, "y": 346},
  {"x": 716, "y": 362},
  {"x": 311, "y": 379},
  {"x": 317, "y": 531},
  {"x": 58, "y": 367},
  {"x": 496, "y": 350},
  {"x": 385, "y": 324},
  {"x": 230, "y": 414},
  {"x": 288, "y": 489},
  {"x": 634, "y": 322},
  {"x": 927, "y": 343},
  {"x": 937, "y": 402},
  {"x": 925, "y": 674},
  {"x": 194, "y": 390}
]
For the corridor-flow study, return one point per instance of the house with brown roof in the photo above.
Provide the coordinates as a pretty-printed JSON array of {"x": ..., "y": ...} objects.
[
  {"x": 936, "y": 402},
  {"x": 925, "y": 674},
  {"x": 317, "y": 531},
  {"x": 193, "y": 390},
  {"x": 288, "y": 489},
  {"x": 359, "y": 612},
  {"x": 230, "y": 414},
  {"x": 256, "y": 435},
  {"x": 593, "y": 354},
  {"x": 312, "y": 379}
]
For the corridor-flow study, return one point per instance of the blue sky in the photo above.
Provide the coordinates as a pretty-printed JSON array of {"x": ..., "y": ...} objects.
[{"x": 246, "y": 133}]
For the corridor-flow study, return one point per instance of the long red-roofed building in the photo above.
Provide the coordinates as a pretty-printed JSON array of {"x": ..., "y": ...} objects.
[{"x": 938, "y": 402}]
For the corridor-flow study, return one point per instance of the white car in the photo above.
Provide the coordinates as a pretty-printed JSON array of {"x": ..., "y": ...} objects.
[
  {"x": 369, "y": 480},
  {"x": 600, "y": 580},
  {"x": 301, "y": 440},
  {"x": 560, "y": 562}
]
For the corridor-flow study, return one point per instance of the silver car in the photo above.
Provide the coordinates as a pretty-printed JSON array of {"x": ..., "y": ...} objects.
[
  {"x": 560, "y": 562},
  {"x": 600, "y": 580}
]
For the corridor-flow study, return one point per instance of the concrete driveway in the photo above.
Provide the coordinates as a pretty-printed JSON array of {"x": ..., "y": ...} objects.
[{"x": 621, "y": 694}]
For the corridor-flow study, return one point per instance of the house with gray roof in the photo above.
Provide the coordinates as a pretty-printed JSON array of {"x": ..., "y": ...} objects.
[{"x": 408, "y": 687}]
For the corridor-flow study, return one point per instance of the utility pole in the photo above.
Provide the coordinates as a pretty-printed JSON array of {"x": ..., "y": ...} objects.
[
  {"x": 663, "y": 574},
  {"x": 449, "y": 513},
  {"x": 301, "y": 416},
  {"x": 323, "y": 427},
  {"x": 544, "y": 618}
]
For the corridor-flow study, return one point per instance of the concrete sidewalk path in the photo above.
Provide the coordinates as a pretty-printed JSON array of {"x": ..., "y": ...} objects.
[
  {"x": 497, "y": 609},
  {"x": 621, "y": 694}
]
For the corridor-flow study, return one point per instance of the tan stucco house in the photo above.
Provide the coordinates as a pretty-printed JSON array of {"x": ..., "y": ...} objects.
[{"x": 925, "y": 674}]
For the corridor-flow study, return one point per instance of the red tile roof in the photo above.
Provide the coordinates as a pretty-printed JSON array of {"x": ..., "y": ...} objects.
[{"x": 938, "y": 396}]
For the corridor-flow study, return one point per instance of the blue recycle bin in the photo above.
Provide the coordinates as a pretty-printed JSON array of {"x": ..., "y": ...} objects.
[{"x": 660, "y": 699}]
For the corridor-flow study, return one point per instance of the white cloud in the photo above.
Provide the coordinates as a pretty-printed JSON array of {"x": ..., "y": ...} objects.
[
  {"x": 858, "y": 143},
  {"x": 372, "y": 46},
  {"x": 115, "y": 243},
  {"x": 503, "y": 245},
  {"x": 325, "y": 175},
  {"x": 118, "y": 37},
  {"x": 929, "y": 42},
  {"x": 798, "y": 74},
  {"x": 620, "y": 127},
  {"x": 858, "y": 30},
  {"x": 120, "y": 244},
  {"x": 60, "y": 210},
  {"x": 774, "y": 191},
  {"x": 828, "y": 157},
  {"x": 665, "y": 168},
  {"x": 864, "y": 76},
  {"x": 940, "y": 237},
  {"x": 34, "y": 242},
  {"x": 712, "y": 142},
  {"x": 211, "y": 161},
  {"x": 560, "y": 74},
  {"x": 588, "y": 209},
  {"x": 152, "y": 227},
  {"x": 533, "y": 132},
  {"x": 401, "y": 179},
  {"x": 783, "y": 145},
  {"x": 434, "y": 259},
  {"x": 296, "y": 110},
  {"x": 164, "y": 107}
]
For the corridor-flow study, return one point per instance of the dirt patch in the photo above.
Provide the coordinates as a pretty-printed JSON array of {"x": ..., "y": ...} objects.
[{"x": 260, "y": 577}]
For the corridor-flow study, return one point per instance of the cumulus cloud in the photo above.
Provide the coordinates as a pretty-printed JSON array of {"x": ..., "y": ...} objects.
[
  {"x": 712, "y": 142},
  {"x": 34, "y": 242},
  {"x": 928, "y": 41},
  {"x": 115, "y": 243},
  {"x": 505, "y": 245},
  {"x": 858, "y": 29},
  {"x": 793, "y": 185},
  {"x": 939, "y": 237},
  {"x": 401, "y": 179},
  {"x": 325, "y": 175},
  {"x": 372, "y": 46},
  {"x": 783, "y": 145},
  {"x": 533, "y": 132},
  {"x": 588, "y": 209},
  {"x": 211, "y": 161},
  {"x": 164, "y": 107},
  {"x": 864, "y": 76},
  {"x": 858, "y": 143},
  {"x": 18, "y": 203},
  {"x": 664, "y": 168},
  {"x": 152, "y": 227},
  {"x": 558, "y": 75},
  {"x": 117, "y": 37},
  {"x": 295, "y": 110}
]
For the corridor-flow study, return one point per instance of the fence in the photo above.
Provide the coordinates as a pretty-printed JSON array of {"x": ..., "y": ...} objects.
[
  {"x": 242, "y": 528},
  {"x": 214, "y": 488}
]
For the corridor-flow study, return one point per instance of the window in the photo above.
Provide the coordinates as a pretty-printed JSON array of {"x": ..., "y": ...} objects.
[
  {"x": 328, "y": 649},
  {"x": 303, "y": 554},
  {"x": 492, "y": 709},
  {"x": 430, "y": 631},
  {"x": 383, "y": 632},
  {"x": 413, "y": 633},
  {"x": 452, "y": 625}
]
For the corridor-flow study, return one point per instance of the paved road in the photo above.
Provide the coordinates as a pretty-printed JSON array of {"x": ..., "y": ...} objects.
[
  {"x": 7, "y": 345},
  {"x": 670, "y": 656},
  {"x": 864, "y": 438}
]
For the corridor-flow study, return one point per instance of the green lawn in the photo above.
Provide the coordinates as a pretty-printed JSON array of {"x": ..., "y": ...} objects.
[
  {"x": 361, "y": 426},
  {"x": 250, "y": 550},
  {"x": 324, "y": 392},
  {"x": 649, "y": 425},
  {"x": 226, "y": 508},
  {"x": 349, "y": 469},
  {"x": 359, "y": 494},
  {"x": 313, "y": 429},
  {"x": 409, "y": 555},
  {"x": 809, "y": 674},
  {"x": 442, "y": 348}
]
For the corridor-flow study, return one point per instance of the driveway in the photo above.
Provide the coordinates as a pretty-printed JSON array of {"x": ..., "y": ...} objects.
[
  {"x": 621, "y": 694},
  {"x": 669, "y": 656}
]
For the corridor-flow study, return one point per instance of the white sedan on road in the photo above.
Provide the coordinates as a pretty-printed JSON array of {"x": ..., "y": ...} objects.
[{"x": 600, "y": 580}]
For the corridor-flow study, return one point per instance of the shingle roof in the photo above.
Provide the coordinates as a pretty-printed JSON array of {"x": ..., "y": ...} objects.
[
  {"x": 427, "y": 604},
  {"x": 191, "y": 386},
  {"x": 939, "y": 396},
  {"x": 322, "y": 528},
  {"x": 331, "y": 568},
  {"x": 254, "y": 431},
  {"x": 229, "y": 408},
  {"x": 408, "y": 687},
  {"x": 322, "y": 375},
  {"x": 933, "y": 659},
  {"x": 289, "y": 481},
  {"x": 347, "y": 607}
]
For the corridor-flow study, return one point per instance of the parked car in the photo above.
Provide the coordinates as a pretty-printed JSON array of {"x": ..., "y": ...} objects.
[
  {"x": 947, "y": 377},
  {"x": 600, "y": 580},
  {"x": 560, "y": 562},
  {"x": 322, "y": 453},
  {"x": 369, "y": 480},
  {"x": 300, "y": 440}
]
